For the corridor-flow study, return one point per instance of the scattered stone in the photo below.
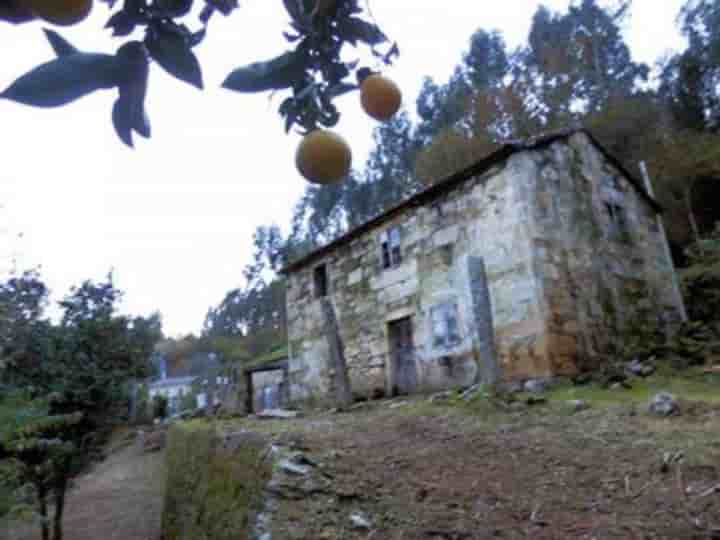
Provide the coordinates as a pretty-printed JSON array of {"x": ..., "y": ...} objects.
[
  {"x": 440, "y": 396},
  {"x": 153, "y": 441},
  {"x": 577, "y": 405},
  {"x": 639, "y": 369},
  {"x": 277, "y": 413},
  {"x": 664, "y": 404},
  {"x": 516, "y": 406},
  {"x": 536, "y": 386},
  {"x": 291, "y": 468},
  {"x": 359, "y": 405},
  {"x": 360, "y": 521},
  {"x": 511, "y": 387}
]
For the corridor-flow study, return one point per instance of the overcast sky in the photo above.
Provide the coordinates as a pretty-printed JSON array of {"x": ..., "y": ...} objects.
[{"x": 174, "y": 217}]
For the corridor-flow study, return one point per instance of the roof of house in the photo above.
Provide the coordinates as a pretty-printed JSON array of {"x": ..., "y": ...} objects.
[{"x": 457, "y": 179}]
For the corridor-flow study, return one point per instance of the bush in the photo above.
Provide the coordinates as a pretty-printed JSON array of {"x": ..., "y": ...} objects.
[
  {"x": 701, "y": 280},
  {"x": 213, "y": 489}
]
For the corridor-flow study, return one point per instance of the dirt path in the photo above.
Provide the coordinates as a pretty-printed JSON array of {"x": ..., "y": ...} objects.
[
  {"x": 121, "y": 499},
  {"x": 428, "y": 472}
]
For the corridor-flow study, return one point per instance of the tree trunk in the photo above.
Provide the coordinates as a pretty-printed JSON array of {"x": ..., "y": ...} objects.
[
  {"x": 59, "y": 509},
  {"x": 42, "y": 501}
]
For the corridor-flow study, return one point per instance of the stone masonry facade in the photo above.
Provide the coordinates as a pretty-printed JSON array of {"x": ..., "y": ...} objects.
[{"x": 529, "y": 265}]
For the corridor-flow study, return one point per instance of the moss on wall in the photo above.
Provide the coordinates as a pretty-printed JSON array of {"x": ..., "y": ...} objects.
[{"x": 212, "y": 489}]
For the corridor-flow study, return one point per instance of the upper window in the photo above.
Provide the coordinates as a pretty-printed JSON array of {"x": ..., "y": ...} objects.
[
  {"x": 321, "y": 281},
  {"x": 445, "y": 325},
  {"x": 391, "y": 254},
  {"x": 618, "y": 222}
]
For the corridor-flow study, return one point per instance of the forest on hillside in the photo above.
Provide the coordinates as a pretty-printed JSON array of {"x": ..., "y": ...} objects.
[{"x": 575, "y": 70}]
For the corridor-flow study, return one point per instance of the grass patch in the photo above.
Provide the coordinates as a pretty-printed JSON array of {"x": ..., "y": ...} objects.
[{"x": 692, "y": 386}]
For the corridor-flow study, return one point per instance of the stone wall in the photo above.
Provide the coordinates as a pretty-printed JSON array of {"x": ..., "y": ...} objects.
[
  {"x": 558, "y": 274},
  {"x": 484, "y": 218},
  {"x": 597, "y": 247}
]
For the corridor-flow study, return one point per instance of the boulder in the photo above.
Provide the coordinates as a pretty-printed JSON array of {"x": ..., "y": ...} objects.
[
  {"x": 360, "y": 521},
  {"x": 577, "y": 405},
  {"x": 664, "y": 404},
  {"x": 536, "y": 386},
  {"x": 277, "y": 413}
]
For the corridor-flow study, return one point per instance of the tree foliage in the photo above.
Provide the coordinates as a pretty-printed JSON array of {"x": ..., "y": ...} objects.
[
  {"x": 311, "y": 69},
  {"x": 68, "y": 379}
]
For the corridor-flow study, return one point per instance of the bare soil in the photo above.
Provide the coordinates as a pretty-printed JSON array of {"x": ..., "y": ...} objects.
[
  {"x": 424, "y": 471},
  {"x": 437, "y": 472},
  {"x": 120, "y": 499}
]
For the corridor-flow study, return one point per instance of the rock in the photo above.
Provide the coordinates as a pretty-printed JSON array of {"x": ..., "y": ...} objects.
[
  {"x": 577, "y": 405},
  {"x": 360, "y": 521},
  {"x": 291, "y": 468},
  {"x": 153, "y": 441},
  {"x": 440, "y": 396},
  {"x": 516, "y": 406},
  {"x": 663, "y": 404},
  {"x": 511, "y": 387},
  {"x": 277, "y": 413},
  {"x": 647, "y": 370},
  {"x": 639, "y": 369},
  {"x": 536, "y": 386},
  {"x": 398, "y": 404}
]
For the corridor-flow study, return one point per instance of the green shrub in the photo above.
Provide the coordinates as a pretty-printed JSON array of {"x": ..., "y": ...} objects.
[{"x": 212, "y": 490}]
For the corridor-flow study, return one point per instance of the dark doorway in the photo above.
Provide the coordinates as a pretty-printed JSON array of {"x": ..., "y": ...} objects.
[{"x": 402, "y": 356}]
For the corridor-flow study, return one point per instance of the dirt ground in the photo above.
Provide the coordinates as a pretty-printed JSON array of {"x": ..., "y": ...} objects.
[
  {"x": 417, "y": 470},
  {"x": 120, "y": 499}
]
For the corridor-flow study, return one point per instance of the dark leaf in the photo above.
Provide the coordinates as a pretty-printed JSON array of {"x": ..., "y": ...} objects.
[
  {"x": 63, "y": 80},
  {"x": 353, "y": 29},
  {"x": 171, "y": 8},
  {"x": 277, "y": 74},
  {"x": 122, "y": 23},
  {"x": 122, "y": 120},
  {"x": 129, "y": 109},
  {"x": 224, "y": 6},
  {"x": 299, "y": 9},
  {"x": 292, "y": 38},
  {"x": 206, "y": 13},
  {"x": 60, "y": 45},
  {"x": 197, "y": 37},
  {"x": 172, "y": 51}
]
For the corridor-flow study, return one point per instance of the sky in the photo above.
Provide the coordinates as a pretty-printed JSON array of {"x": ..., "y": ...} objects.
[{"x": 174, "y": 217}]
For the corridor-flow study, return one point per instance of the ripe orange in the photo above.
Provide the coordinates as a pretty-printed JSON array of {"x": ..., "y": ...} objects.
[
  {"x": 380, "y": 97},
  {"x": 60, "y": 12},
  {"x": 323, "y": 157}
]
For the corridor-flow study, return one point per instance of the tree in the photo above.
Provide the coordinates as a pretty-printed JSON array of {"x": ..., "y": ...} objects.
[
  {"x": 313, "y": 70},
  {"x": 69, "y": 378},
  {"x": 691, "y": 79}
]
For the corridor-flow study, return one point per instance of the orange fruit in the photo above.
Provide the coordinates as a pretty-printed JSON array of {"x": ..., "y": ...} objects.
[
  {"x": 60, "y": 12},
  {"x": 323, "y": 157},
  {"x": 15, "y": 12},
  {"x": 380, "y": 97}
]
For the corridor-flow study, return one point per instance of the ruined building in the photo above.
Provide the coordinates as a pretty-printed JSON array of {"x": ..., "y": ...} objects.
[{"x": 527, "y": 264}]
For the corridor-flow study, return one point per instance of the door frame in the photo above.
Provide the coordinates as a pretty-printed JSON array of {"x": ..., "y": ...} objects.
[{"x": 392, "y": 364}]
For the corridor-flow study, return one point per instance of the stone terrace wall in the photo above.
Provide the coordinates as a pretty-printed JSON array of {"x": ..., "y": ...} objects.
[
  {"x": 590, "y": 268},
  {"x": 486, "y": 217}
]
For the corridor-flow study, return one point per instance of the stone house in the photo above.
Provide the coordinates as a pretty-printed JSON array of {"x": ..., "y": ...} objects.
[{"x": 527, "y": 264}]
